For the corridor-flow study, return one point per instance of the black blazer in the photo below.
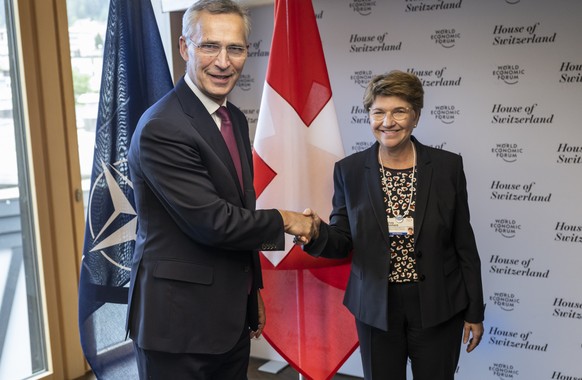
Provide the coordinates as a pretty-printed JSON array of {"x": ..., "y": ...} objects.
[
  {"x": 198, "y": 232},
  {"x": 446, "y": 254}
]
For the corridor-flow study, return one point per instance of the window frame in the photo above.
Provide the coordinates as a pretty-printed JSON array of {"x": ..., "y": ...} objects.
[{"x": 56, "y": 196}]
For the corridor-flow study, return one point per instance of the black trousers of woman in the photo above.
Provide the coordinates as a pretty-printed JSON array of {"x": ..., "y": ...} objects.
[{"x": 433, "y": 352}]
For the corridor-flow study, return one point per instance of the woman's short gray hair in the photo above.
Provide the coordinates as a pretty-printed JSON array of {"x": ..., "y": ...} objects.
[{"x": 397, "y": 83}]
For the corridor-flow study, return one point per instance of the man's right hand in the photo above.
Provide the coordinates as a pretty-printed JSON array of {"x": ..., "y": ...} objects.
[{"x": 304, "y": 226}]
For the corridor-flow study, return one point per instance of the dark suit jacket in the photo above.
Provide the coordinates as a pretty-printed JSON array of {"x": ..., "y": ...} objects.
[
  {"x": 446, "y": 254},
  {"x": 198, "y": 232}
]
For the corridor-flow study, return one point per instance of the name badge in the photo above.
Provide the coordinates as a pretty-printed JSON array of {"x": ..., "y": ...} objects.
[{"x": 405, "y": 227}]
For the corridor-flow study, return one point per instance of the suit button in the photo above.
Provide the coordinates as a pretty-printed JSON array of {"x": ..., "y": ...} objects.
[
  {"x": 419, "y": 254},
  {"x": 421, "y": 277},
  {"x": 246, "y": 268}
]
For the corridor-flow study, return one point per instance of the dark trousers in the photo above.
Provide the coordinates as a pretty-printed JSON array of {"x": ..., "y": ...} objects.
[
  {"x": 156, "y": 365},
  {"x": 433, "y": 352}
]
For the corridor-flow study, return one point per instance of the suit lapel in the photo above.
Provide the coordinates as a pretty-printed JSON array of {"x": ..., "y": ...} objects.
[
  {"x": 375, "y": 192},
  {"x": 206, "y": 127},
  {"x": 423, "y": 184}
]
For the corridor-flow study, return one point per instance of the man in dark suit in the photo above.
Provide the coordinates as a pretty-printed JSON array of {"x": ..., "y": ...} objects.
[{"x": 194, "y": 300}]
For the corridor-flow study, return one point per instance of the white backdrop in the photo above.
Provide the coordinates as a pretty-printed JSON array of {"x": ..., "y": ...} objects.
[{"x": 503, "y": 88}]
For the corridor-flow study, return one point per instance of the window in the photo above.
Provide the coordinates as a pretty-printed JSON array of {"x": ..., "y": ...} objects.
[
  {"x": 87, "y": 28},
  {"x": 22, "y": 337}
]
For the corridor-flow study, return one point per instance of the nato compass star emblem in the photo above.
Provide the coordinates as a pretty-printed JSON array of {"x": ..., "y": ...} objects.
[{"x": 112, "y": 219}]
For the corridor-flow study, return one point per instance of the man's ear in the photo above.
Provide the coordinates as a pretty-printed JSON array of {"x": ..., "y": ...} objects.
[{"x": 184, "y": 48}]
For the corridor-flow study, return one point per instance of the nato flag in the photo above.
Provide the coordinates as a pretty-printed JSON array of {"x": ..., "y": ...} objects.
[{"x": 135, "y": 75}]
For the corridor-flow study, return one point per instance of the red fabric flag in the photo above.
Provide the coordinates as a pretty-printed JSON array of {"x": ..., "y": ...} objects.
[{"x": 296, "y": 145}]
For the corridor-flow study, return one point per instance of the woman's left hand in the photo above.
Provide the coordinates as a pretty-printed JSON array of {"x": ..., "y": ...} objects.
[{"x": 472, "y": 334}]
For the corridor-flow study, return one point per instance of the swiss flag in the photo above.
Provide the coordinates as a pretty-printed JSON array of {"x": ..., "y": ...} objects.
[{"x": 296, "y": 145}]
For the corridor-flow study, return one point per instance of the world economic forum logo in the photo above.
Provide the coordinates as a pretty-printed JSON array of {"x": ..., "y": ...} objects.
[
  {"x": 504, "y": 371},
  {"x": 111, "y": 217},
  {"x": 446, "y": 37},
  {"x": 445, "y": 113},
  {"x": 509, "y": 74},
  {"x": 363, "y": 7},
  {"x": 245, "y": 82},
  {"x": 362, "y": 77},
  {"x": 506, "y": 301},
  {"x": 506, "y": 227},
  {"x": 508, "y": 152}
]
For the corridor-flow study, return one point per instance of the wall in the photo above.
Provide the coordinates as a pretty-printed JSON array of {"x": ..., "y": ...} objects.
[{"x": 503, "y": 83}]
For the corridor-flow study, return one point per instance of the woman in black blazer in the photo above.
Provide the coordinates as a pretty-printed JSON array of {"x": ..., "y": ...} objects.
[{"x": 401, "y": 209}]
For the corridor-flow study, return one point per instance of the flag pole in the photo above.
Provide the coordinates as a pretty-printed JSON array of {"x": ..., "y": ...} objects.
[{"x": 301, "y": 318}]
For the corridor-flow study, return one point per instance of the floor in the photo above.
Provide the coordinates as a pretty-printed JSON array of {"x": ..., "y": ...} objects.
[{"x": 288, "y": 373}]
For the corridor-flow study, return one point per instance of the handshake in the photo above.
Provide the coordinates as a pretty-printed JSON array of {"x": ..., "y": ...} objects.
[{"x": 305, "y": 226}]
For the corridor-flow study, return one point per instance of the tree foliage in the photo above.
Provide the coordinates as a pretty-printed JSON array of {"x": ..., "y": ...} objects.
[{"x": 91, "y": 9}]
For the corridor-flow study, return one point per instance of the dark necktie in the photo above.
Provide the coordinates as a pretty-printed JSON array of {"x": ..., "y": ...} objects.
[{"x": 228, "y": 135}]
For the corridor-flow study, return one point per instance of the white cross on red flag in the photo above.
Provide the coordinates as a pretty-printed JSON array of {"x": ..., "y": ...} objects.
[{"x": 296, "y": 145}]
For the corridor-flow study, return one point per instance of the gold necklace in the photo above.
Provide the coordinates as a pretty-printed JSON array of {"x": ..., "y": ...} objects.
[{"x": 399, "y": 218}]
